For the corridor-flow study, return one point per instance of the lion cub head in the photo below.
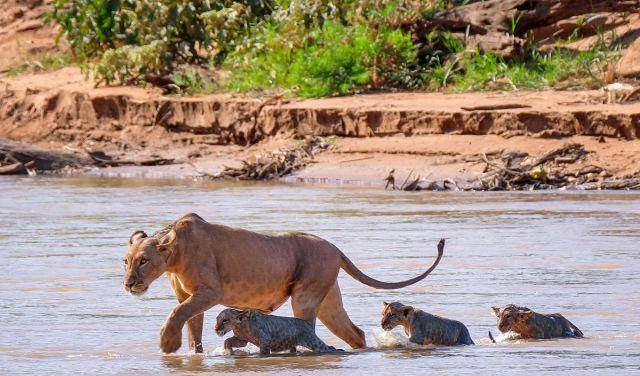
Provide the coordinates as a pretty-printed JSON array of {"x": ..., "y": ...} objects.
[
  {"x": 512, "y": 318},
  {"x": 228, "y": 319},
  {"x": 395, "y": 314},
  {"x": 145, "y": 260}
]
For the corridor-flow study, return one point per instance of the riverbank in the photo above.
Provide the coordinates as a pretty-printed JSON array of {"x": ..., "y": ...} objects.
[{"x": 437, "y": 136}]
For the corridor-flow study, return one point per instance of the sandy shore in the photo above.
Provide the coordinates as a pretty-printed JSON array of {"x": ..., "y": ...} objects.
[{"x": 367, "y": 161}]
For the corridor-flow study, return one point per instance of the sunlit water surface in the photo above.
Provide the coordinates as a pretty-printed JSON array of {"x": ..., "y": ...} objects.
[{"x": 63, "y": 309}]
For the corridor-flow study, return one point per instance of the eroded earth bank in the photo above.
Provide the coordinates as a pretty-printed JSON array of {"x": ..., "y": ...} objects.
[{"x": 444, "y": 139}]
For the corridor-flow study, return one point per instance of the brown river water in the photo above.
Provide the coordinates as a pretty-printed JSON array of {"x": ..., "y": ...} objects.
[{"x": 63, "y": 309}]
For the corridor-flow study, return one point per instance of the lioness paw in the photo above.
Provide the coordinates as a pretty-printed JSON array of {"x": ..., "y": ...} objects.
[{"x": 170, "y": 339}]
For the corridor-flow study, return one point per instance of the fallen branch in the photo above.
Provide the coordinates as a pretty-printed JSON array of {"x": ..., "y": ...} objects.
[
  {"x": 34, "y": 158},
  {"x": 273, "y": 165}
]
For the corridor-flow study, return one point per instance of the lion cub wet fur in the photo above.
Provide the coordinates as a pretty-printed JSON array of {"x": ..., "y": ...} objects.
[
  {"x": 424, "y": 328},
  {"x": 269, "y": 332},
  {"x": 532, "y": 325}
]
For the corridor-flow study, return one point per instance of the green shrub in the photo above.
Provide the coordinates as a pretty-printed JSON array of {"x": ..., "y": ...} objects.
[
  {"x": 538, "y": 71},
  {"x": 127, "y": 40},
  {"x": 309, "y": 48}
]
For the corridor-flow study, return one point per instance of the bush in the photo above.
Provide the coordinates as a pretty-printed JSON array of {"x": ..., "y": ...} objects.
[
  {"x": 127, "y": 40},
  {"x": 323, "y": 50},
  {"x": 538, "y": 71},
  {"x": 309, "y": 48}
]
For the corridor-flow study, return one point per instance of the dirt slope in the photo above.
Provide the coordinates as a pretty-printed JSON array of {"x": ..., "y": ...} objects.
[
  {"x": 60, "y": 108},
  {"x": 23, "y": 33}
]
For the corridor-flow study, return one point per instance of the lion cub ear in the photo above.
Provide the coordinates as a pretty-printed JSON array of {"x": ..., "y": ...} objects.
[
  {"x": 496, "y": 311},
  {"x": 406, "y": 310},
  {"x": 525, "y": 315},
  {"x": 385, "y": 303},
  {"x": 244, "y": 315},
  {"x": 137, "y": 235}
]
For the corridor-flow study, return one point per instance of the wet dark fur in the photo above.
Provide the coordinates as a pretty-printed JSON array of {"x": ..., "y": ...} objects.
[
  {"x": 269, "y": 332},
  {"x": 424, "y": 328},
  {"x": 531, "y": 325}
]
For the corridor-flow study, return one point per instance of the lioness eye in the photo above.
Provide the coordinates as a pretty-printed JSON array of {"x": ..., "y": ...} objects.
[{"x": 143, "y": 261}]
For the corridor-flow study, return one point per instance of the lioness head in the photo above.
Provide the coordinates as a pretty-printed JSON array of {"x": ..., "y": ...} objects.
[
  {"x": 145, "y": 260},
  {"x": 228, "y": 319},
  {"x": 511, "y": 317},
  {"x": 394, "y": 314}
]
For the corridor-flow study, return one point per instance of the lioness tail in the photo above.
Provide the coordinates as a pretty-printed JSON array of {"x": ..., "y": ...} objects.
[{"x": 359, "y": 276}]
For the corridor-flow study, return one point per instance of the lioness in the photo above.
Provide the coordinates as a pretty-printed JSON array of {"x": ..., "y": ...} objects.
[
  {"x": 209, "y": 264},
  {"x": 270, "y": 333},
  {"x": 424, "y": 328},
  {"x": 532, "y": 325}
]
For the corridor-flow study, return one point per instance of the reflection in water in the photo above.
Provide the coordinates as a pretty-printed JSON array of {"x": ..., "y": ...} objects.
[
  {"x": 63, "y": 310},
  {"x": 254, "y": 363}
]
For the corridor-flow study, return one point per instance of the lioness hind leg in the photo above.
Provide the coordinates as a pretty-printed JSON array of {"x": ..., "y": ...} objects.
[
  {"x": 334, "y": 317},
  {"x": 306, "y": 298}
]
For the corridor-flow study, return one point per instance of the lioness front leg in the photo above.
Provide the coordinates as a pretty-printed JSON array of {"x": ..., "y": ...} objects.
[
  {"x": 194, "y": 329},
  {"x": 171, "y": 332},
  {"x": 194, "y": 324}
]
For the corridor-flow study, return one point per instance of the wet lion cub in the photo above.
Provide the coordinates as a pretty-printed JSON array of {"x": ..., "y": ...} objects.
[
  {"x": 424, "y": 328},
  {"x": 270, "y": 333},
  {"x": 531, "y": 325}
]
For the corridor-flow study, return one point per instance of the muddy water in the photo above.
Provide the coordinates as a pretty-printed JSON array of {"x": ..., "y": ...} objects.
[{"x": 63, "y": 309}]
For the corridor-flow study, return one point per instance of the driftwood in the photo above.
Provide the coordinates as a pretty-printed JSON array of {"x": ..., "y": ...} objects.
[
  {"x": 631, "y": 183},
  {"x": 413, "y": 183},
  {"x": 519, "y": 171},
  {"x": 17, "y": 168},
  {"x": 101, "y": 159},
  {"x": 272, "y": 165},
  {"x": 13, "y": 154}
]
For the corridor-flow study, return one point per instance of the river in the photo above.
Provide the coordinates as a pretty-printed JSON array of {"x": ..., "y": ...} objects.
[{"x": 63, "y": 309}]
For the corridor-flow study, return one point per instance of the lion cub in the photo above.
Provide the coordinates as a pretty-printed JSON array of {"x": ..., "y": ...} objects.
[
  {"x": 270, "y": 333},
  {"x": 532, "y": 325},
  {"x": 424, "y": 328}
]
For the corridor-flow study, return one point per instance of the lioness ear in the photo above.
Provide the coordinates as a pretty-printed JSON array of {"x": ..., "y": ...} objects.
[
  {"x": 496, "y": 311},
  {"x": 166, "y": 241},
  {"x": 385, "y": 303},
  {"x": 137, "y": 235},
  {"x": 407, "y": 310},
  {"x": 244, "y": 315}
]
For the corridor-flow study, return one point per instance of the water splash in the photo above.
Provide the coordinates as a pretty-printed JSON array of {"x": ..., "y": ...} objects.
[
  {"x": 244, "y": 351},
  {"x": 391, "y": 339},
  {"x": 507, "y": 337}
]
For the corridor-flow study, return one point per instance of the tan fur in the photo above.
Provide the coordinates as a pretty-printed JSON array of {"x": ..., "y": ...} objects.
[{"x": 209, "y": 264}]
